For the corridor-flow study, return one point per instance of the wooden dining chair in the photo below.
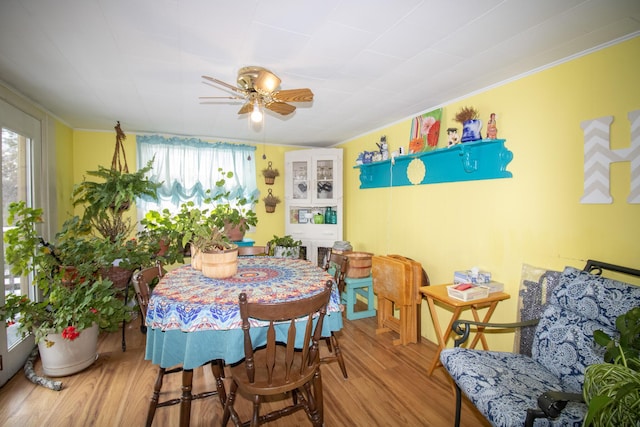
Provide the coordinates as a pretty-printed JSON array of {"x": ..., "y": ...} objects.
[
  {"x": 142, "y": 282},
  {"x": 279, "y": 367},
  {"x": 252, "y": 250},
  {"x": 339, "y": 264}
]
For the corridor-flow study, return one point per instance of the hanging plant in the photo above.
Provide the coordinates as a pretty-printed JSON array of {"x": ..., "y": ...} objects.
[
  {"x": 270, "y": 174},
  {"x": 270, "y": 202}
]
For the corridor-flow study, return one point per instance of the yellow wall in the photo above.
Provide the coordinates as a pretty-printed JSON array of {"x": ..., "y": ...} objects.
[
  {"x": 535, "y": 217},
  {"x": 93, "y": 149},
  {"x": 64, "y": 171}
]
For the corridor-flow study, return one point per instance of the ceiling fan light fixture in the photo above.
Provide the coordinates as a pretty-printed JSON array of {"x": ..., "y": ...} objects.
[
  {"x": 266, "y": 81},
  {"x": 256, "y": 114}
]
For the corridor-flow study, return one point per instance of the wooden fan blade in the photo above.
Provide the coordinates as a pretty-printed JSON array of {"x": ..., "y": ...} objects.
[
  {"x": 246, "y": 108},
  {"x": 266, "y": 81},
  {"x": 280, "y": 108},
  {"x": 221, "y": 83},
  {"x": 293, "y": 95}
]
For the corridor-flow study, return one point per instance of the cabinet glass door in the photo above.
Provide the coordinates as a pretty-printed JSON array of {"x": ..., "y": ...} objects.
[
  {"x": 324, "y": 177},
  {"x": 300, "y": 179}
]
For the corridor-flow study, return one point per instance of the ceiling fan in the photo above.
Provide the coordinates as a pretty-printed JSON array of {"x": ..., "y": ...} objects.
[{"x": 258, "y": 88}]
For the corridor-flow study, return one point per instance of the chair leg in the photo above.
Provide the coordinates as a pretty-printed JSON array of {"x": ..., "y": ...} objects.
[
  {"x": 317, "y": 417},
  {"x": 255, "y": 417},
  {"x": 458, "y": 405},
  {"x": 124, "y": 322},
  {"x": 185, "y": 400},
  {"x": 153, "y": 405},
  {"x": 338, "y": 352},
  {"x": 217, "y": 368},
  {"x": 229, "y": 411}
]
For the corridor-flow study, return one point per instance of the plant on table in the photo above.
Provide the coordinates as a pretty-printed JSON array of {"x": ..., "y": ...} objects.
[{"x": 284, "y": 246}]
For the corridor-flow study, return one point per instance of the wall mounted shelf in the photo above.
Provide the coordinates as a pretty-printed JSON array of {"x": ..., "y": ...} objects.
[{"x": 484, "y": 159}]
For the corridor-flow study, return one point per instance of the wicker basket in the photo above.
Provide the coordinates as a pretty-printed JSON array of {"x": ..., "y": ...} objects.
[
  {"x": 359, "y": 264},
  {"x": 119, "y": 276},
  {"x": 219, "y": 265}
]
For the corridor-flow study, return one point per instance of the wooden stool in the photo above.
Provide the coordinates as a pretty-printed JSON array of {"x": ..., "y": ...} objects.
[{"x": 354, "y": 287}]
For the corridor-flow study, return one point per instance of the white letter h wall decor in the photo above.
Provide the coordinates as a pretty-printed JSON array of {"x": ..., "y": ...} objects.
[{"x": 598, "y": 158}]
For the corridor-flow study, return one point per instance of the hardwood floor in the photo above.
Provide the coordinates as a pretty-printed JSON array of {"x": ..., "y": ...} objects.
[{"x": 387, "y": 386}]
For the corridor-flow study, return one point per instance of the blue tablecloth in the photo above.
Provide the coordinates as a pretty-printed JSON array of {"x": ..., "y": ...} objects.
[{"x": 193, "y": 319}]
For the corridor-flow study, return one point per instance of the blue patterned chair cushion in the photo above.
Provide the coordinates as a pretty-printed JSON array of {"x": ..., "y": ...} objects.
[
  {"x": 594, "y": 297},
  {"x": 504, "y": 385}
]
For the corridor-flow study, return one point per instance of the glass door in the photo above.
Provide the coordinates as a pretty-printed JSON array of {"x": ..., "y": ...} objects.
[
  {"x": 18, "y": 171},
  {"x": 300, "y": 181}
]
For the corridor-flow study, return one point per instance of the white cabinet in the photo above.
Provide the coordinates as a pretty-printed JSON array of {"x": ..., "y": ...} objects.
[{"x": 313, "y": 191}]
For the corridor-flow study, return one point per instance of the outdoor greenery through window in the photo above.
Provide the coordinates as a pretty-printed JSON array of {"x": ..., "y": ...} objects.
[
  {"x": 15, "y": 187},
  {"x": 188, "y": 167}
]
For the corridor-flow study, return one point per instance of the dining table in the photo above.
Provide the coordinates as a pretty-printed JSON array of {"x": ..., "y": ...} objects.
[{"x": 193, "y": 319}]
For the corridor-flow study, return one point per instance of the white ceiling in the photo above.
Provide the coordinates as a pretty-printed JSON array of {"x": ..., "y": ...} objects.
[{"x": 369, "y": 62}]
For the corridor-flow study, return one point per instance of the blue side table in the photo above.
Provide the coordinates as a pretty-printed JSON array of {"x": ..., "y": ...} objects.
[{"x": 363, "y": 287}]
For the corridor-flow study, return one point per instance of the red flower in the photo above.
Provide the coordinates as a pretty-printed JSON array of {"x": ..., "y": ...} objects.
[
  {"x": 70, "y": 333},
  {"x": 93, "y": 310}
]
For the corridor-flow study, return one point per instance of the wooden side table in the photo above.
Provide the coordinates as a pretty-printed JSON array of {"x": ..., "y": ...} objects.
[{"x": 439, "y": 294}]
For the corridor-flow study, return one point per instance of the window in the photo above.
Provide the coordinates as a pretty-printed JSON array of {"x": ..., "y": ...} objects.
[{"x": 189, "y": 167}]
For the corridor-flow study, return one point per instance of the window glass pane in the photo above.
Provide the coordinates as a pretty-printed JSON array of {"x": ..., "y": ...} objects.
[{"x": 15, "y": 153}]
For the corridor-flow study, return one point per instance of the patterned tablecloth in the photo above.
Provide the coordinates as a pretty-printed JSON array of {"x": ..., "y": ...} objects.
[{"x": 192, "y": 319}]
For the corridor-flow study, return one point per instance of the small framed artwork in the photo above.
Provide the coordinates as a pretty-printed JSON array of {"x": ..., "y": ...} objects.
[{"x": 302, "y": 216}]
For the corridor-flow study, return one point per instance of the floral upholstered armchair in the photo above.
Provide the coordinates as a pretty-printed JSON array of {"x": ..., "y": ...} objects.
[{"x": 512, "y": 389}]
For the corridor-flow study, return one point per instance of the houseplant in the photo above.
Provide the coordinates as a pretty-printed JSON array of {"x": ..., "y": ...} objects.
[
  {"x": 270, "y": 202},
  {"x": 270, "y": 174},
  {"x": 284, "y": 247},
  {"x": 218, "y": 257},
  {"x": 612, "y": 389},
  {"x": 69, "y": 305},
  {"x": 105, "y": 201},
  {"x": 162, "y": 231},
  {"x": 232, "y": 214}
]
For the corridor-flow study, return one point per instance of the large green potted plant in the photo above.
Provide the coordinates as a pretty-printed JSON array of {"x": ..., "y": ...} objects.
[
  {"x": 105, "y": 200},
  {"x": 70, "y": 306},
  {"x": 612, "y": 389},
  {"x": 218, "y": 257},
  {"x": 233, "y": 215}
]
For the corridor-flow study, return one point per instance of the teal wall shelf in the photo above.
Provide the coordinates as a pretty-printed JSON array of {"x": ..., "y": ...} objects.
[{"x": 484, "y": 159}]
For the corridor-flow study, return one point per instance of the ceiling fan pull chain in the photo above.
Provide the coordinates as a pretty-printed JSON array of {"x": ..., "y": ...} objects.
[{"x": 116, "y": 162}]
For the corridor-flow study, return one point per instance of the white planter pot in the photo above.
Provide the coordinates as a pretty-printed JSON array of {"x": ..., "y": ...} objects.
[
  {"x": 286, "y": 252},
  {"x": 66, "y": 357}
]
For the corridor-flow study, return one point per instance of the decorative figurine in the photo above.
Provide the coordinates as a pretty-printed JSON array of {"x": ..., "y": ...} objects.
[
  {"x": 452, "y": 135},
  {"x": 492, "y": 130},
  {"x": 384, "y": 148}
]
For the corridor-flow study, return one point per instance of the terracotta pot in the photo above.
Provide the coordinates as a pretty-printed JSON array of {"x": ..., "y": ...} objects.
[
  {"x": 234, "y": 232},
  {"x": 67, "y": 357},
  {"x": 270, "y": 208}
]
